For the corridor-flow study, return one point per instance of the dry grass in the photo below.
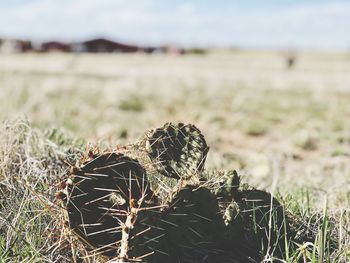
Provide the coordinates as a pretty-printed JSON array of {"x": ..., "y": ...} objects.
[{"x": 285, "y": 130}]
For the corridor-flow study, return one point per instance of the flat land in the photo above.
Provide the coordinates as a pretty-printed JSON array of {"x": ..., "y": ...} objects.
[{"x": 285, "y": 130}]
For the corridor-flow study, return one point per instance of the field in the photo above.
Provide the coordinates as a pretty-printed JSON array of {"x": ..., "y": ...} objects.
[{"x": 284, "y": 130}]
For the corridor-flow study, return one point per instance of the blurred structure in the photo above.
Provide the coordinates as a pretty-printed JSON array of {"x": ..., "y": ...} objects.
[
  {"x": 15, "y": 46},
  {"x": 290, "y": 61},
  {"x": 55, "y": 46},
  {"x": 101, "y": 45},
  {"x": 98, "y": 45},
  {"x": 290, "y": 58},
  {"x": 173, "y": 50}
]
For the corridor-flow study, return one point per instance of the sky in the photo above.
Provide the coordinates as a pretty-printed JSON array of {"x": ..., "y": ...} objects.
[{"x": 304, "y": 24}]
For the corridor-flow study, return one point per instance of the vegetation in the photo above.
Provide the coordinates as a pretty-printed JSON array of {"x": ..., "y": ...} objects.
[{"x": 286, "y": 132}]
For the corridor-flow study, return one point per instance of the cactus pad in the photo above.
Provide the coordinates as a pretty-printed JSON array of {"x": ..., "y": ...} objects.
[
  {"x": 189, "y": 230},
  {"x": 264, "y": 220},
  {"x": 179, "y": 150},
  {"x": 227, "y": 187},
  {"x": 98, "y": 197}
]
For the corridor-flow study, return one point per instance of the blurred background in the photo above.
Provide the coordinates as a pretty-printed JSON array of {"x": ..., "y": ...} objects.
[{"x": 267, "y": 82}]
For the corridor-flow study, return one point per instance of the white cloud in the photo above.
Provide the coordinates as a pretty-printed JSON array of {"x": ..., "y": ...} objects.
[{"x": 324, "y": 25}]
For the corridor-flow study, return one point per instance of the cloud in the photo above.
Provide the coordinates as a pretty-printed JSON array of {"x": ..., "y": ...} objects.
[{"x": 316, "y": 24}]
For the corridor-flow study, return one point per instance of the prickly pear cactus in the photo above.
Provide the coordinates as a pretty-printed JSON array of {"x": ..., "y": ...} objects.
[
  {"x": 265, "y": 225},
  {"x": 227, "y": 185},
  {"x": 251, "y": 216},
  {"x": 204, "y": 217},
  {"x": 189, "y": 230},
  {"x": 194, "y": 223},
  {"x": 179, "y": 150},
  {"x": 99, "y": 194},
  {"x": 234, "y": 221}
]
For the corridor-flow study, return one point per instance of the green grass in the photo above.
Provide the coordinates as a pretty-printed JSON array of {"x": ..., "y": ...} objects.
[{"x": 132, "y": 103}]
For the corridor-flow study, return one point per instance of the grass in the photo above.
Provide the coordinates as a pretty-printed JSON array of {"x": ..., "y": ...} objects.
[
  {"x": 133, "y": 103},
  {"x": 32, "y": 223},
  {"x": 285, "y": 131}
]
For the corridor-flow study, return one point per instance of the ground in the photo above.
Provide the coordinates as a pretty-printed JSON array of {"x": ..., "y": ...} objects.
[{"x": 285, "y": 130}]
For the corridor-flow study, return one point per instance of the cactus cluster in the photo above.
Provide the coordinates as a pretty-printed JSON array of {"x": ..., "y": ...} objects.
[{"x": 113, "y": 206}]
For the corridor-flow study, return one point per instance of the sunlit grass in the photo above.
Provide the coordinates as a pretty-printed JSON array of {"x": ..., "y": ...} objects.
[{"x": 273, "y": 126}]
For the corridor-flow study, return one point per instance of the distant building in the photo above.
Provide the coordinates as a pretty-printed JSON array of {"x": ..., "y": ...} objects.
[
  {"x": 15, "y": 46},
  {"x": 24, "y": 45},
  {"x": 99, "y": 45},
  {"x": 102, "y": 45},
  {"x": 55, "y": 46},
  {"x": 170, "y": 49},
  {"x": 148, "y": 50}
]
